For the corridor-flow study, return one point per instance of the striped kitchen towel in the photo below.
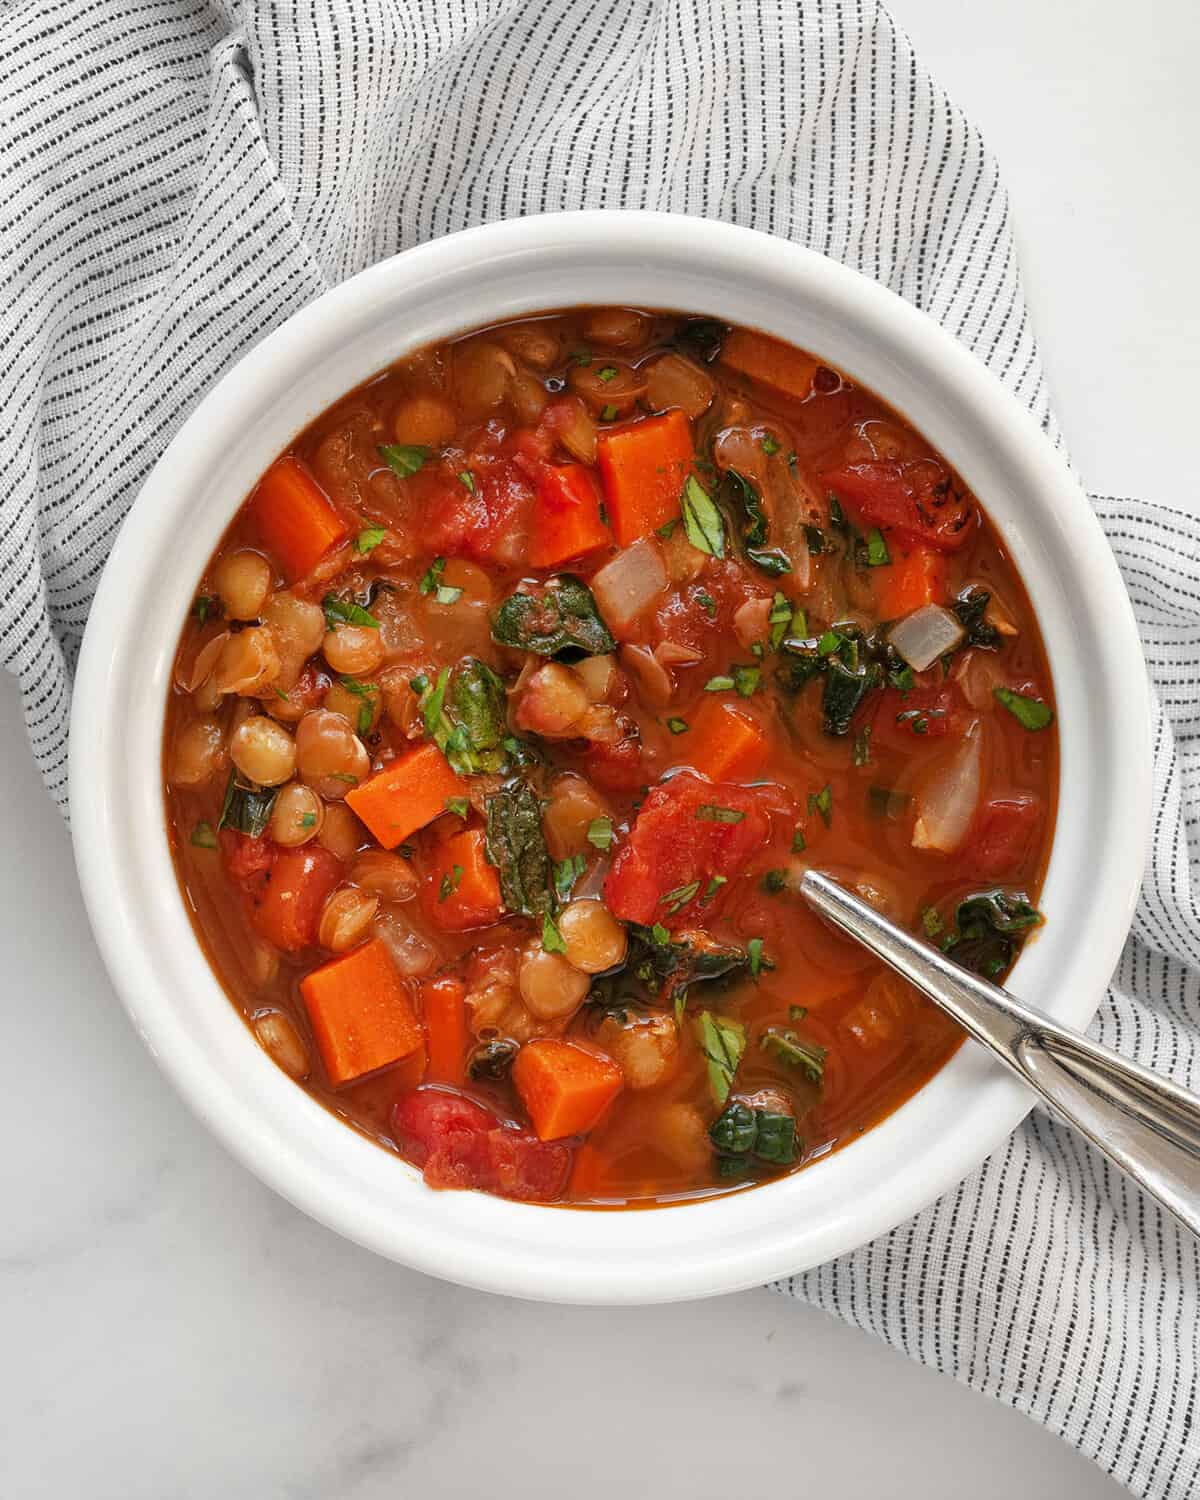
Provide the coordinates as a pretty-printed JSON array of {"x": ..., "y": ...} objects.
[{"x": 177, "y": 176}]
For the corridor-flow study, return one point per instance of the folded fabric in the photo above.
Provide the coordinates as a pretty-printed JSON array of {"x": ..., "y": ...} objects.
[{"x": 216, "y": 165}]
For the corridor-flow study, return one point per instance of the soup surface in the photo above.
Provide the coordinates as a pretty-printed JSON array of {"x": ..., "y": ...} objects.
[{"x": 515, "y": 702}]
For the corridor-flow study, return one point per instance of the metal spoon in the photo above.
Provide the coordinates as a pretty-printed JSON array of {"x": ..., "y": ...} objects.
[{"x": 1147, "y": 1125}]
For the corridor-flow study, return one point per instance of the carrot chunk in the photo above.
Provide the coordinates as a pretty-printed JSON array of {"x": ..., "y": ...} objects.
[
  {"x": 725, "y": 743},
  {"x": 294, "y": 517},
  {"x": 462, "y": 890},
  {"x": 564, "y": 1087},
  {"x": 766, "y": 360},
  {"x": 566, "y": 516},
  {"x": 406, "y": 794},
  {"x": 644, "y": 467},
  {"x": 444, "y": 1004},
  {"x": 361, "y": 1012},
  {"x": 911, "y": 581}
]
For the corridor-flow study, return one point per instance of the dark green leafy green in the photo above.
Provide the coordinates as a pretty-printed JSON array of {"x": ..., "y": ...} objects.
[
  {"x": 492, "y": 1060},
  {"x": 515, "y": 844},
  {"x": 783, "y": 1043},
  {"x": 559, "y": 619},
  {"x": 247, "y": 809},
  {"x": 990, "y": 927},
  {"x": 745, "y": 501},
  {"x": 743, "y": 1131},
  {"x": 971, "y": 608}
]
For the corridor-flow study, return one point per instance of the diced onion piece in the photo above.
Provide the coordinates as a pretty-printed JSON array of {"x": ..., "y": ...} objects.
[
  {"x": 626, "y": 587},
  {"x": 672, "y": 654},
  {"x": 652, "y": 678},
  {"x": 751, "y": 622},
  {"x": 926, "y": 634},
  {"x": 676, "y": 381},
  {"x": 947, "y": 800},
  {"x": 598, "y": 674}
]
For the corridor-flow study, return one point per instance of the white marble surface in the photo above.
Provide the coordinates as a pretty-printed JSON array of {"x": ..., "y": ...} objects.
[{"x": 171, "y": 1329}]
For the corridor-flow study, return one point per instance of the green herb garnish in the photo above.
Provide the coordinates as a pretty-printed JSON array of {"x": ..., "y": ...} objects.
[
  {"x": 722, "y": 1041},
  {"x": 709, "y": 812},
  {"x": 367, "y": 540},
  {"x": 516, "y": 845},
  {"x": 822, "y": 803},
  {"x": 560, "y": 619},
  {"x": 702, "y": 520},
  {"x": 600, "y": 833},
  {"x": 677, "y": 726},
  {"x": 340, "y": 612},
  {"x": 1030, "y": 713},
  {"x": 784, "y": 1044},
  {"x": 404, "y": 459}
]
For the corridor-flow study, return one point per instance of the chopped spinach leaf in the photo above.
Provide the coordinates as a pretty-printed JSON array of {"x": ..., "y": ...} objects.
[
  {"x": 971, "y": 608},
  {"x": 785, "y": 1045},
  {"x": 774, "y": 881},
  {"x": 742, "y": 1131},
  {"x": 990, "y": 928},
  {"x": 492, "y": 1060},
  {"x": 247, "y": 809},
  {"x": 515, "y": 844},
  {"x": 745, "y": 501},
  {"x": 560, "y": 620}
]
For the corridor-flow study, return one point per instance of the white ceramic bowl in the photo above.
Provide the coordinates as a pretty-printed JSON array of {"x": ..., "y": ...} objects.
[{"x": 480, "y": 276}]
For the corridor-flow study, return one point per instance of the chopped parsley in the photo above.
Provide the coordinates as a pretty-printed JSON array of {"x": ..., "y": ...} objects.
[
  {"x": 404, "y": 459},
  {"x": 746, "y": 680},
  {"x": 677, "y": 726},
  {"x": 769, "y": 445},
  {"x": 459, "y": 806},
  {"x": 719, "y": 685},
  {"x": 609, "y": 372},
  {"x": 677, "y": 899},
  {"x": 608, "y": 413},
  {"x": 450, "y": 882},
  {"x": 709, "y": 812},
  {"x": 345, "y": 612},
  {"x": 467, "y": 480},
  {"x": 707, "y": 603},
  {"x": 822, "y": 802},
  {"x": 722, "y": 1041},
  {"x": 552, "y": 939},
  {"x": 600, "y": 833},
  {"x": 1030, "y": 713},
  {"x": 878, "y": 555},
  {"x": 754, "y": 950},
  {"x": 367, "y": 540}
]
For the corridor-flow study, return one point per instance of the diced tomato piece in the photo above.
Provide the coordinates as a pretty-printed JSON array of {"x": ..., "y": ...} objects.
[
  {"x": 616, "y": 766},
  {"x": 566, "y": 516},
  {"x": 527, "y": 1169},
  {"x": 911, "y": 497},
  {"x": 687, "y": 831},
  {"x": 246, "y": 857},
  {"x": 489, "y": 521},
  {"x": 906, "y": 721},
  {"x": 446, "y": 1135},
  {"x": 459, "y": 1144},
  {"x": 1004, "y": 835},
  {"x": 700, "y": 614},
  {"x": 286, "y": 900},
  {"x": 914, "y": 578}
]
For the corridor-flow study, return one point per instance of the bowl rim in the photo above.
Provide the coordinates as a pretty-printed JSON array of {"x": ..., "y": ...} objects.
[{"x": 303, "y": 1151}]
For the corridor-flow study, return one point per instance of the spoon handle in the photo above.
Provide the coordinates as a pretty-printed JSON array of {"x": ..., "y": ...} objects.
[{"x": 1145, "y": 1123}]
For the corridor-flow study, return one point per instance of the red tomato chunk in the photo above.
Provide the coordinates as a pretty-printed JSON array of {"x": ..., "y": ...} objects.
[{"x": 459, "y": 1144}]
